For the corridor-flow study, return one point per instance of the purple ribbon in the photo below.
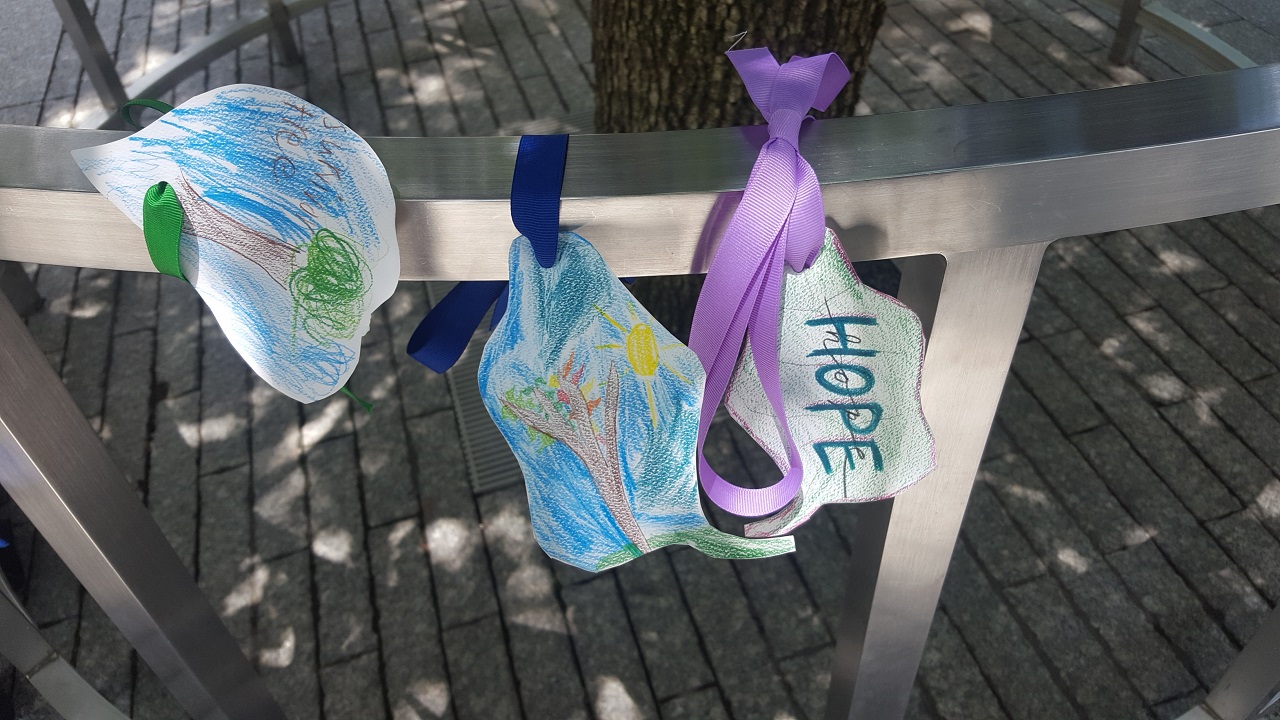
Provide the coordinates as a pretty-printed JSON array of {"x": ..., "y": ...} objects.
[{"x": 780, "y": 219}]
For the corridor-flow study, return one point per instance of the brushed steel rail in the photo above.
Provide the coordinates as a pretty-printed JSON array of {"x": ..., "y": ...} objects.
[{"x": 969, "y": 196}]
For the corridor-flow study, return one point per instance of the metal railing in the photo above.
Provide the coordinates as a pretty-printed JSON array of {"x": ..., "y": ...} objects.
[
  {"x": 1135, "y": 15},
  {"x": 967, "y": 198}
]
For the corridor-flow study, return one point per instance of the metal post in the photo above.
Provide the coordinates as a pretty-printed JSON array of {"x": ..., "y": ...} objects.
[
  {"x": 1251, "y": 686},
  {"x": 56, "y": 681},
  {"x": 16, "y": 286},
  {"x": 1128, "y": 33},
  {"x": 56, "y": 469},
  {"x": 973, "y": 305},
  {"x": 284, "y": 35},
  {"x": 79, "y": 24}
]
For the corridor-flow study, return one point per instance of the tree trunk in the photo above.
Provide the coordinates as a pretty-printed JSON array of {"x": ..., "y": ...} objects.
[{"x": 660, "y": 65}]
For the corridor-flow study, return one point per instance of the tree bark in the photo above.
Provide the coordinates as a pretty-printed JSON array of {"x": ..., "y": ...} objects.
[{"x": 660, "y": 65}]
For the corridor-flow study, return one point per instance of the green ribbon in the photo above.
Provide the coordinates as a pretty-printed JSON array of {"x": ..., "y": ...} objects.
[
  {"x": 162, "y": 228},
  {"x": 161, "y": 107}
]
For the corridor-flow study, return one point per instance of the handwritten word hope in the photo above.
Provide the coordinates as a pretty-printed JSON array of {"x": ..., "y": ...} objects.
[{"x": 846, "y": 379}]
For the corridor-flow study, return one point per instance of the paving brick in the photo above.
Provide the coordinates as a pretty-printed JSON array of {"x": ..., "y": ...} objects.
[
  {"x": 518, "y": 46},
  {"x": 177, "y": 338},
  {"x": 500, "y": 86},
  {"x": 953, "y": 678},
  {"x": 1092, "y": 678},
  {"x": 706, "y": 704},
  {"x": 574, "y": 26},
  {"x": 1200, "y": 321},
  {"x": 279, "y": 482},
  {"x": 1247, "y": 476},
  {"x": 127, "y": 410},
  {"x": 891, "y": 69},
  {"x": 455, "y": 545},
  {"x": 26, "y": 701},
  {"x": 353, "y": 690},
  {"x": 733, "y": 642},
  {"x": 136, "y": 305},
  {"x": 611, "y": 669},
  {"x": 1146, "y": 657},
  {"x": 228, "y": 574},
  {"x": 1254, "y": 549},
  {"x": 364, "y": 115},
  {"x": 996, "y": 541},
  {"x": 1099, "y": 322},
  {"x": 1017, "y": 675},
  {"x": 1176, "y": 610},
  {"x": 926, "y": 37},
  {"x": 151, "y": 699},
  {"x": 408, "y": 625},
  {"x": 1109, "y": 281},
  {"x": 939, "y": 77},
  {"x": 1142, "y": 425},
  {"x": 224, "y": 413},
  {"x": 285, "y": 636},
  {"x": 1259, "y": 244},
  {"x": 1189, "y": 548},
  {"x": 84, "y": 369},
  {"x": 537, "y": 634},
  {"x": 387, "y": 479},
  {"x": 1229, "y": 400},
  {"x": 433, "y": 99},
  {"x": 103, "y": 657},
  {"x": 1065, "y": 401},
  {"x": 56, "y": 284},
  {"x": 403, "y": 122},
  {"x": 808, "y": 679},
  {"x": 53, "y": 593},
  {"x": 392, "y": 78},
  {"x": 375, "y": 16},
  {"x": 349, "y": 46},
  {"x": 1061, "y": 465},
  {"x": 345, "y": 609},
  {"x": 1229, "y": 259},
  {"x": 568, "y": 76},
  {"x": 421, "y": 390},
  {"x": 1257, "y": 328},
  {"x": 663, "y": 627},
  {"x": 480, "y": 671}
]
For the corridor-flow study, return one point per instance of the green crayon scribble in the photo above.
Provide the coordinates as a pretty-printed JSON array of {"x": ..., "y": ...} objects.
[{"x": 329, "y": 289}]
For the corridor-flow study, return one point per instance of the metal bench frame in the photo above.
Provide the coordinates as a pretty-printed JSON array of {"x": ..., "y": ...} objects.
[{"x": 967, "y": 198}]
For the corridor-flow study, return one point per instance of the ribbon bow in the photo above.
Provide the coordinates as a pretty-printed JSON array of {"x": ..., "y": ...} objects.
[{"x": 780, "y": 219}]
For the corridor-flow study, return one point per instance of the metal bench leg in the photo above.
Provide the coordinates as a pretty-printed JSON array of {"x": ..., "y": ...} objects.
[
  {"x": 56, "y": 469},
  {"x": 79, "y": 24},
  {"x": 16, "y": 286},
  {"x": 1128, "y": 33},
  {"x": 56, "y": 681},
  {"x": 283, "y": 33},
  {"x": 1251, "y": 686},
  {"x": 972, "y": 306}
]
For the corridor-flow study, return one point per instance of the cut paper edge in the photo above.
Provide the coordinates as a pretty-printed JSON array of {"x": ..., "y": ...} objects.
[{"x": 708, "y": 541}]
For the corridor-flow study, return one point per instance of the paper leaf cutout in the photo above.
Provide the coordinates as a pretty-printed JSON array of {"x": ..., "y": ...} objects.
[
  {"x": 850, "y": 360},
  {"x": 600, "y": 405},
  {"x": 289, "y": 231}
]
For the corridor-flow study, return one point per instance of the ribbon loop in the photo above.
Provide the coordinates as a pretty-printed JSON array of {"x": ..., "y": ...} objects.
[
  {"x": 779, "y": 223},
  {"x": 444, "y": 333}
]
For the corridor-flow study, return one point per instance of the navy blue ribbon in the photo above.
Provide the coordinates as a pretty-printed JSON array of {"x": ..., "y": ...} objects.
[{"x": 535, "y": 209}]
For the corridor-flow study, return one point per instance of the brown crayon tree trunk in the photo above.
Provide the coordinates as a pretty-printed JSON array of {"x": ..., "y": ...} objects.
[{"x": 660, "y": 65}]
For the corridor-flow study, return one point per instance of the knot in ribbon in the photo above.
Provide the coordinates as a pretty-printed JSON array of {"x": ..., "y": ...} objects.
[{"x": 780, "y": 219}]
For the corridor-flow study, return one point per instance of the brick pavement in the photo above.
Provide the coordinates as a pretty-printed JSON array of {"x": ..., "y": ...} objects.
[{"x": 1120, "y": 545}]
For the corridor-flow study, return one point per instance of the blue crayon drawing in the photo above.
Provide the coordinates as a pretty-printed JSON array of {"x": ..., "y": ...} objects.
[
  {"x": 289, "y": 225},
  {"x": 600, "y": 405}
]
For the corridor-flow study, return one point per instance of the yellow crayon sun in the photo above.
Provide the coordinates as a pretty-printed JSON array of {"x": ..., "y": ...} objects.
[{"x": 643, "y": 353}]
